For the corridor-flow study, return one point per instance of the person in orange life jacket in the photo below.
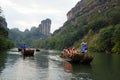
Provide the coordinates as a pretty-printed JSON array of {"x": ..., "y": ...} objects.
[
  {"x": 71, "y": 51},
  {"x": 74, "y": 51},
  {"x": 66, "y": 51},
  {"x": 28, "y": 49}
]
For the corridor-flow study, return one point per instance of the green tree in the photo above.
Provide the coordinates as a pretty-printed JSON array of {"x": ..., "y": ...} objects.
[{"x": 116, "y": 39}]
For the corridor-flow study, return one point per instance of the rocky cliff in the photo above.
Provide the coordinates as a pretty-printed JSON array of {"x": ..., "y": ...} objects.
[
  {"x": 96, "y": 22},
  {"x": 3, "y": 22},
  {"x": 86, "y": 6},
  {"x": 45, "y": 26}
]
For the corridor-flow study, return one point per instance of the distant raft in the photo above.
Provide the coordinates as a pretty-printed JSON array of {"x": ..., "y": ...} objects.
[
  {"x": 19, "y": 49},
  {"x": 28, "y": 53},
  {"x": 37, "y": 50},
  {"x": 77, "y": 58}
]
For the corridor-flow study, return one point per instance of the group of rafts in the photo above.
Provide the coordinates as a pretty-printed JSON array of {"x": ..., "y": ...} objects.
[
  {"x": 74, "y": 56},
  {"x": 71, "y": 55}
]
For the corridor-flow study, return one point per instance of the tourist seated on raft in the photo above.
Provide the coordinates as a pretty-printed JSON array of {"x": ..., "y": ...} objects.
[
  {"x": 28, "y": 49},
  {"x": 73, "y": 51},
  {"x": 65, "y": 50},
  {"x": 69, "y": 52}
]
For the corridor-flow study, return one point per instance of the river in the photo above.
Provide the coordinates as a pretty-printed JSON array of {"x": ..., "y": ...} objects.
[{"x": 47, "y": 65}]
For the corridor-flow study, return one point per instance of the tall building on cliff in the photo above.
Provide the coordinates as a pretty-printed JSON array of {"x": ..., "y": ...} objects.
[{"x": 45, "y": 26}]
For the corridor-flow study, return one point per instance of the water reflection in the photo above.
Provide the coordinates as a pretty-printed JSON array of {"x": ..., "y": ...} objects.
[
  {"x": 105, "y": 67},
  {"x": 41, "y": 59},
  {"x": 78, "y": 71},
  {"x": 45, "y": 65},
  {"x": 3, "y": 57},
  {"x": 82, "y": 72},
  {"x": 67, "y": 66},
  {"x": 56, "y": 70}
]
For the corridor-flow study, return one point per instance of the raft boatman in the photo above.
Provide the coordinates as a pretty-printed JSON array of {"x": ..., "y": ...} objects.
[
  {"x": 23, "y": 47},
  {"x": 83, "y": 47}
]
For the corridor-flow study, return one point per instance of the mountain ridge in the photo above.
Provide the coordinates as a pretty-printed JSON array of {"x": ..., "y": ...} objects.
[
  {"x": 93, "y": 22},
  {"x": 84, "y": 6}
]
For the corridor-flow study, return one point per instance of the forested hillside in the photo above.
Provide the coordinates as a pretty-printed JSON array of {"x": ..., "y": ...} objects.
[
  {"x": 32, "y": 36},
  {"x": 96, "y": 22},
  {"x": 5, "y": 43},
  {"x": 27, "y": 37}
]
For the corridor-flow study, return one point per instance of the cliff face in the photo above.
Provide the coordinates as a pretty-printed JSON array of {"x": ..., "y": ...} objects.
[
  {"x": 96, "y": 22},
  {"x": 45, "y": 26},
  {"x": 86, "y": 6},
  {"x": 5, "y": 43},
  {"x": 3, "y": 22},
  {"x": 3, "y": 27}
]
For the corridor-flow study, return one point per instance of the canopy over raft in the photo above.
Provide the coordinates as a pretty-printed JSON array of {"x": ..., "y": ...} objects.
[{"x": 77, "y": 58}]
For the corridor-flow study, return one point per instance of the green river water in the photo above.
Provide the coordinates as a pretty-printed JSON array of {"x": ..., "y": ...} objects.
[{"x": 47, "y": 65}]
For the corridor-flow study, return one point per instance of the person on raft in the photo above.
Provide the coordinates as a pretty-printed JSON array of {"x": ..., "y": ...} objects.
[
  {"x": 69, "y": 52},
  {"x": 23, "y": 47},
  {"x": 83, "y": 47}
]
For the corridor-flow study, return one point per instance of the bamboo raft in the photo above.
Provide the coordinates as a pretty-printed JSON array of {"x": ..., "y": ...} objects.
[
  {"x": 37, "y": 50},
  {"x": 77, "y": 58},
  {"x": 28, "y": 53},
  {"x": 19, "y": 49}
]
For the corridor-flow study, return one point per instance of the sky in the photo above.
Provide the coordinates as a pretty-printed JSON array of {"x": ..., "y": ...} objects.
[{"x": 24, "y": 14}]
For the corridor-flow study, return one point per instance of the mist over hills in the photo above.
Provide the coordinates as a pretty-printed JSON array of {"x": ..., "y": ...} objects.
[{"x": 26, "y": 37}]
